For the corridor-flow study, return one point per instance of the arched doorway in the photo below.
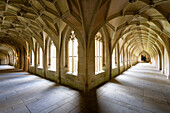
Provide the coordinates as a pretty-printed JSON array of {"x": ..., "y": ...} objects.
[{"x": 144, "y": 57}]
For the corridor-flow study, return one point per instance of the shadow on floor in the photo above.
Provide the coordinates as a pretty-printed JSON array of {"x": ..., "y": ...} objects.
[{"x": 132, "y": 91}]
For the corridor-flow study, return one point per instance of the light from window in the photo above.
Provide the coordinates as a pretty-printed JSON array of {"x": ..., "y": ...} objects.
[
  {"x": 15, "y": 60},
  {"x": 32, "y": 58},
  {"x": 73, "y": 53},
  {"x": 41, "y": 57},
  {"x": 98, "y": 52},
  {"x": 53, "y": 56},
  {"x": 113, "y": 59}
]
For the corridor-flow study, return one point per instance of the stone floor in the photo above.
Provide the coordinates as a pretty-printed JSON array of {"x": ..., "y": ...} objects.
[{"x": 141, "y": 89}]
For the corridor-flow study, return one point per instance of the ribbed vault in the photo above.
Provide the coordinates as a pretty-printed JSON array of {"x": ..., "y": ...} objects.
[
  {"x": 30, "y": 18},
  {"x": 133, "y": 26},
  {"x": 141, "y": 24}
]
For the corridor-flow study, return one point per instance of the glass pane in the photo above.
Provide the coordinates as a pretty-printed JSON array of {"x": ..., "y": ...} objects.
[
  {"x": 53, "y": 57},
  {"x": 100, "y": 48},
  {"x": 100, "y": 63},
  {"x": 98, "y": 55},
  {"x": 95, "y": 64},
  {"x": 75, "y": 64},
  {"x": 95, "y": 48},
  {"x": 73, "y": 53},
  {"x": 75, "y": 47},
  {"x": 70, "y": 48},
  {"x": 113, "y": 59},
  {"x": 41, "y": 57},
  {"x": 70, "y": 64},
  {"x": 32, "y": 58}
]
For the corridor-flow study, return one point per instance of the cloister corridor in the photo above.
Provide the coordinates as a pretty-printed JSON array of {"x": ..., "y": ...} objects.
[{"x": 140, "y": 89}]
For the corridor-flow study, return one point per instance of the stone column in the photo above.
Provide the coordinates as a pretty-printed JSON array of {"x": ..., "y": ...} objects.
[
  {"x": 45, "y": 59},
  {"x": 163, "y": 62},
  {"x": 90, "y": 64},
  {"x": 168, "y": 75}
]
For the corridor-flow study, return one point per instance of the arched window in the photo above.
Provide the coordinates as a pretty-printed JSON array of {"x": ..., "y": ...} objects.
[
  {"x": 125, "y": 59},
  {"x": 114, "y": 59},
  {"x": 32, "y": 58},
  {"x": 52, "y": 56},
  {"x": 73, "y": 53},
  {"x": 14, "y": 60},
  {"x": 40, "y": 57},
  {"x": 98, "y": 52}
]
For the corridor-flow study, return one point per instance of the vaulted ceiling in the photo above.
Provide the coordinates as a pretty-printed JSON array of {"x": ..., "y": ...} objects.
[{"x": 140, "y": 23}]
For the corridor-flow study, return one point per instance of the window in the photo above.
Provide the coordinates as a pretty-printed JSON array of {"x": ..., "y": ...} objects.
[
  {"x": 114, "y": 59},
  {"x": 32, "y": 58},
  {"x": 14, "y": 60},
  {"x": 73, "y": 53},
  {"x": 40, "y": 57},
  {"x": 98, "y": 52},
  {"x": 52, "y": 56},
  {"x": 125, "y": 58}
]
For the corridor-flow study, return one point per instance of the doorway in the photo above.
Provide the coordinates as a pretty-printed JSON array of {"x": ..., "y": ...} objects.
[{"x": 143, "y": 58}]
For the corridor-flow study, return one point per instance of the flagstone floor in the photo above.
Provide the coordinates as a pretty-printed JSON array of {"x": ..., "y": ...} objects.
[{"x": 140, "y": 89}]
